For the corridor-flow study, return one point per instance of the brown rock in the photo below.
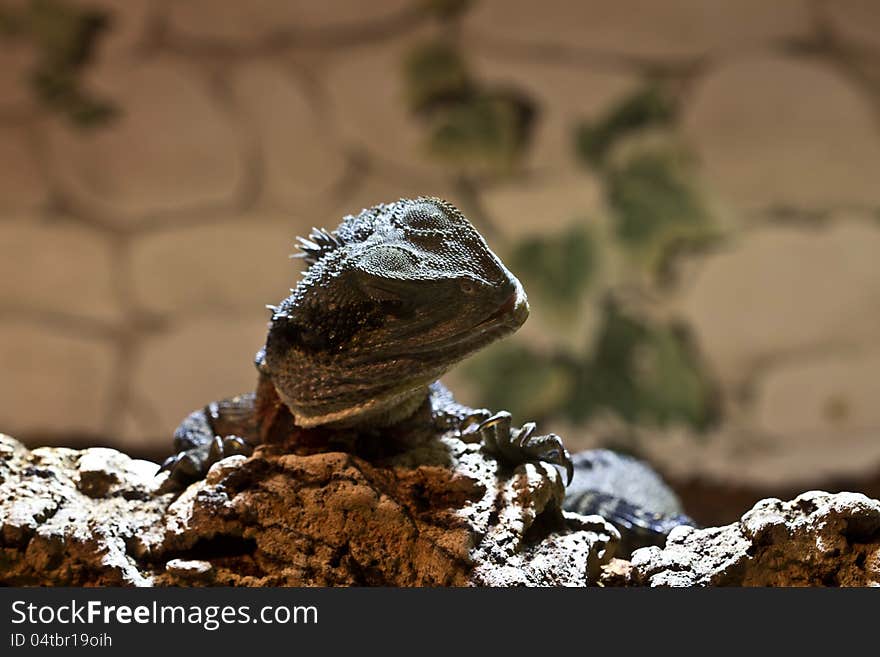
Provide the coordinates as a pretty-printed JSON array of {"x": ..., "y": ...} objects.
[
  {"x": 817, "y": 539},
  {"x": 437, "y": 512},
  {"x": 17, "y": 60},
  {"x": 128, "y": 25},
  {"x": 51, "y": 532},
  {"x": 248, "y": 23}
]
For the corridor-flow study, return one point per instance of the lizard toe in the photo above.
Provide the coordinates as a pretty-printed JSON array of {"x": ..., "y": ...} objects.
[{"x": 515, "y": 446}]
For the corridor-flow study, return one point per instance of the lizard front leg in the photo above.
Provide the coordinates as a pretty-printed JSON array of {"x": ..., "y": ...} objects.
[
  {"x": 515, "y": 446},
  {"x": 208, "y": 435},
  {"x": 508, "y": 445}
]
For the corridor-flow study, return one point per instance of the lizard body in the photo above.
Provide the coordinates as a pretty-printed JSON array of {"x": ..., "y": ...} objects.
[{"x": 392, "y": 299}]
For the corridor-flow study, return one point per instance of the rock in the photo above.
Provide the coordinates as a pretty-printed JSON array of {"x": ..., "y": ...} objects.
[
  {"x": 17, "y": 59},
  {"x": 799, "y": 290},
  {"x": 566, "y": 95},
  {"x": 435, "y": 512},
  {"x": 192, "y": 570},
  {"x": 105, "y": 472},
  {"x": 432, "y": 513},
  {"x": 235, "y": 23},
  {"x": 817, "y": 539},
  {"x": 857, "y": 21},
  {"x": 366, "y": 92},
  {"x": 54, "y": 533},
  {"x": 832, "y": 395},
  {"x": 128, "y": 26},
  {"x": 438, "y": 513},
  {"x": 222, "y": 468},
  {"x": 617, "y": 572}
]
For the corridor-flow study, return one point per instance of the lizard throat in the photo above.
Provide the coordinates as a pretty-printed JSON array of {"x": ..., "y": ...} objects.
[
  {"x": 386, "y": 383},
  {"x": 379, "y": 412}
]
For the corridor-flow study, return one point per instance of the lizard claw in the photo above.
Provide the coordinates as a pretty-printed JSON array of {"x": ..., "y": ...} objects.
[
  {"x": 469, "y": 427},
  {"x": 515, "y": 446},
  {"x": 192, "y": 464},
  {"x": 183, "y": 467},
  {"x": 226, "y": 446}
]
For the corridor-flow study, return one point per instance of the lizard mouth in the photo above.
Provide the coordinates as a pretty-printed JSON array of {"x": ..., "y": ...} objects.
[
  {"x": 507, "y": 318},
  {"x": 513, "y": 312},
  {"x": 503, "y": 311}
]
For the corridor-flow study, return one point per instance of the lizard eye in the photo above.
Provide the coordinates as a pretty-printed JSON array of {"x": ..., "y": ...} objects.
[{"x": 386, "y": 261}]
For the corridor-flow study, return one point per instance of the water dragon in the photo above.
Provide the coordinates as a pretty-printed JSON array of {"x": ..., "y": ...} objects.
[{"x": 390, "y": 301}]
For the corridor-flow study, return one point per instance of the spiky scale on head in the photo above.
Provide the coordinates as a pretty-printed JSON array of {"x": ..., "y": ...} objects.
[
  {"x": 316, "y": 245},
  {"x": 392, "y": 298}
]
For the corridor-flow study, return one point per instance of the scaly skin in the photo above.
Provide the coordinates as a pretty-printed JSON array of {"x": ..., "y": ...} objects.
[
  {"x": 628, "y": 494},
  {"x": 392, "y": 299}
]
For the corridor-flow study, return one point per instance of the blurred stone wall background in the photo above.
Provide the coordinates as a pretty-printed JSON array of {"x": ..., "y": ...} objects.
[{"x": 689, "y": 190}]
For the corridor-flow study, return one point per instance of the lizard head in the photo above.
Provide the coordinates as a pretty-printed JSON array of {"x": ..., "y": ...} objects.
[{"x": 391, "y": 300}]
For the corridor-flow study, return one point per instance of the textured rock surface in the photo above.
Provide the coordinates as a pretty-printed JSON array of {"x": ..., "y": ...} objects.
[
  {"x": 70, "y": 517},
  {"x": 435, "y": 513},
  {"x": 817, "y": 539}
]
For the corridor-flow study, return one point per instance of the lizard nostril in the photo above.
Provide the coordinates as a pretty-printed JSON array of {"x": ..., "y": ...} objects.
[
  {"x": 503, "y": 310},
  {"x": 467, "y": 287},
  {"x": 508, "y": 306}
]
